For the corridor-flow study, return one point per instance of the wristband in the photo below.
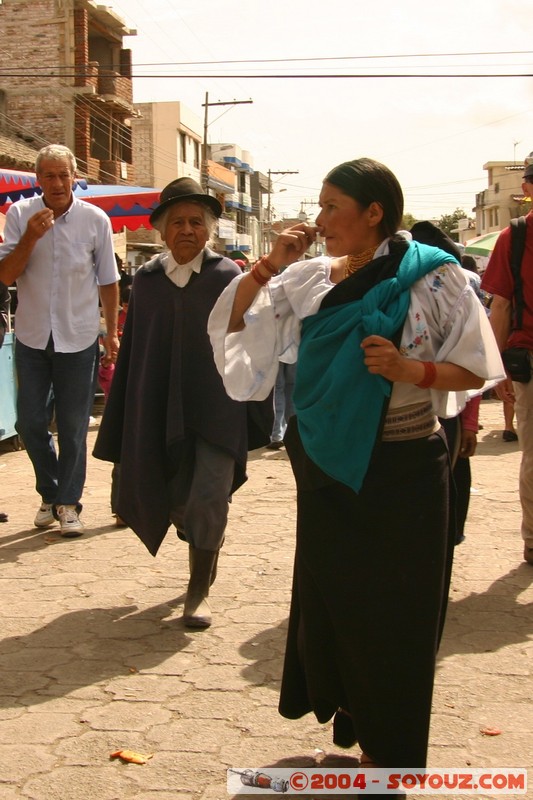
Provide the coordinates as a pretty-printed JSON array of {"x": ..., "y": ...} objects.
[
  {"x": 267, "y": 265},
  {"x": 258, "y": 278},
  {"x": 430, "y": 375}
]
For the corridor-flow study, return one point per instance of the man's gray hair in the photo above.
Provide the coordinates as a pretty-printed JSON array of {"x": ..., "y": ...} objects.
[
  {"x": 210, "y": 220},
  {"x": 56, "y": 152}
]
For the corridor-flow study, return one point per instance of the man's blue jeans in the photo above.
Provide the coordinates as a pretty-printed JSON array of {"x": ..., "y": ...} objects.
[
  {"x": 60, "y": 383},
  {"x": 283, "y": 405}
]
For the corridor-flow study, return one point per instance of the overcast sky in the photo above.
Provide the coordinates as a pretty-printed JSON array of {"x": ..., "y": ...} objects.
[{"x": 435, "y": 133}]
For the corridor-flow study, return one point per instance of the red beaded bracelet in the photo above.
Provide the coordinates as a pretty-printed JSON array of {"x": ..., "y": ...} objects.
[
  {"x": 258, "y": 278},
  {"x": 267, "y": 265},
  {"x": 430, "y": 375}
]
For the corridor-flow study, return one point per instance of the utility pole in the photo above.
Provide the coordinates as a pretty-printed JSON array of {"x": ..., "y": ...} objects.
[
  {"x": 302, "y": 216},
  {"x": 206, "y": 106},
  {"x": 269, "y": 205}
]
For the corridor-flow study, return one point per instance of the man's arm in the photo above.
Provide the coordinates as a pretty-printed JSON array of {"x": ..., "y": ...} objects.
[
  {"x": 5, "y": 300},
  {"x": 14, "y": 264},
  {"x": 109, "y": 300},
  {"x": 500, "y": 319},
  {"x": 501, "y": 311}
]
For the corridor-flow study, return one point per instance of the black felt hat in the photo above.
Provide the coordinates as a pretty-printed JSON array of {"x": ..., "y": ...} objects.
[
  {"x": 183, "y": 190},
  {"x": 528, "y": 172}
]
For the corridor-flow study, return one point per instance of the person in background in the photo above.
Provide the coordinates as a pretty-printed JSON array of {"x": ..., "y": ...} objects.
[
  {"x": 106, "y": 371},
  {"x": 5, "y": 300},
  {"x": 283, "y": 405},
  {"x": 461, "y": 434},
  {"x": 461, "y": 431},
  {"x": 125, "y": 295},
  {"x": 125, "y": 279},
  {"x": 468, "y": 262},
  {"x": 498, "y": 281},
  {"x": 180, "y": 440},
  {"x": 59, "y": 250},
  {"x": 388, "y": 335},
  {"x": 509, "y": 433}
]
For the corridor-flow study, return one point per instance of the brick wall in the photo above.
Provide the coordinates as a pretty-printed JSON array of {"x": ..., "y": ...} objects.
[
  {"x": 143, "y": 144},
  {"x": 40, "y": 37},
  {"x": 32, "y": 42}
]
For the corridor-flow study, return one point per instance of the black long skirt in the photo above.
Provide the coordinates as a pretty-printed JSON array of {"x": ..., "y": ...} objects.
[{"x": 371, "y": 581}]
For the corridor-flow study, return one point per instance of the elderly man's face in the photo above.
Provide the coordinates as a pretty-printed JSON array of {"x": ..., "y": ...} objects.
[
  {"x": 56, "y": 179},
  {"x": 186, "y": 232}
]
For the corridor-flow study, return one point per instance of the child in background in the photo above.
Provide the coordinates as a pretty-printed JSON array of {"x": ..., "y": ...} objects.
[{"x": 106, "y": 370}]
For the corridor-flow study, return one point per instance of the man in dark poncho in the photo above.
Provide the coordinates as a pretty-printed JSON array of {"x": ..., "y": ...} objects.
[{"x": 180, "y": 440}]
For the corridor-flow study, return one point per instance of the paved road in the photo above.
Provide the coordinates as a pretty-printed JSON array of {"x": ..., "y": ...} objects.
[{"x": 94, "y": 656}]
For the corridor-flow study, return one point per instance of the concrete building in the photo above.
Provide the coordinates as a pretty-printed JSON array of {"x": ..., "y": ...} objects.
[
  {"x": 503, "y": 198},
  {"x": 167, "y": 144},
  {"x": 245, "y": 234},
  {"x": 69, "y": 82}
]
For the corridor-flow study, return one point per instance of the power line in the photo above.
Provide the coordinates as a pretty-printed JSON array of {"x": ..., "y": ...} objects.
[
  {"x": 284, "y": 76},
  {"x": 309, "y": 60},
  {"x": 337, "y": 58}
]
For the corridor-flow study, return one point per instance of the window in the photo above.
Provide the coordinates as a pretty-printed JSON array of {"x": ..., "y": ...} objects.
[
  {"x": 183, "y": 148},
  {"x": 110, "y": 140}
]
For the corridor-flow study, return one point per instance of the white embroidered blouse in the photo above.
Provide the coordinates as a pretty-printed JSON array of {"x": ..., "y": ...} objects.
[{"x": 445, "y": 322}]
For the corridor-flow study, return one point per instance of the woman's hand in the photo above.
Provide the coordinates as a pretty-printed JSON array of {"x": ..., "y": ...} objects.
[
  {"x": 291, "y": 244},
  {"x": 383, "y": 358}
]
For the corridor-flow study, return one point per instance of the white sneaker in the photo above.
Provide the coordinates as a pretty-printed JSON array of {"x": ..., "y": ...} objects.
[
  {"x": 44, "y": 516},
  {"x": 69, "y": 521}
]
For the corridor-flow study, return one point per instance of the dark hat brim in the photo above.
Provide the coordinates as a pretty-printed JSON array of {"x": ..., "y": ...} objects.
[{"x": 203, "y": 199}]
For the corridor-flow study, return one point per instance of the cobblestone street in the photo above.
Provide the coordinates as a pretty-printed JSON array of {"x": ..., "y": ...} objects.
[{"x": 94, "y": 656}]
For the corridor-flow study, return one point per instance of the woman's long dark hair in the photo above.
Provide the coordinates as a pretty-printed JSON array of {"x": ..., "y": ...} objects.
[{"x": 368, "y": 181}]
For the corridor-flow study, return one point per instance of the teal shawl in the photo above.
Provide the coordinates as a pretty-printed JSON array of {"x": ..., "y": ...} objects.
[{"x": 338, "y": 402}]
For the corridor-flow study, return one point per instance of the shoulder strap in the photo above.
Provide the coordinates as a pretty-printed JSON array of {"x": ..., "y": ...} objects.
[{"x": 518, "y": 243}]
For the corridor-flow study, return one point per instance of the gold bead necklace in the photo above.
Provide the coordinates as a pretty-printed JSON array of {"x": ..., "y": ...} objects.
[{"x": 353, "y": 263}]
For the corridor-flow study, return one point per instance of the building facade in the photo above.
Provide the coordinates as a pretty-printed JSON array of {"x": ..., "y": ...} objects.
[
  {"x": 503, "y": 198},
  {"x": 69, "y": 82},
  {"x": 167, "y": 144}
]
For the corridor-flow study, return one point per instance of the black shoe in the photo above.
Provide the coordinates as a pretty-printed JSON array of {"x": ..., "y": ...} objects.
[
  {"x": 343, "y": 732},
  {"x": 274, "y": 445},
  {"x": 509, "y": 436},
  {"x": 3, "y": 517}
]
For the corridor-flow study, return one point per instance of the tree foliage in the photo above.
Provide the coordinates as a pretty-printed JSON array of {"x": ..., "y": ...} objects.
[
  {"x": 448, "y": 222},
  {"x": 408, "y": 221}
]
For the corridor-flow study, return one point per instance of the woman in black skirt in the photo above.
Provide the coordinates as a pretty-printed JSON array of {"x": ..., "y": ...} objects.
[{"x": 388, "y": 336}]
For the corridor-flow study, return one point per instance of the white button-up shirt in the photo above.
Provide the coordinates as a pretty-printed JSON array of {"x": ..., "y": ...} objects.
[
  {"x": 58, "y": 291},
  {"x": 180, "y": 274}
]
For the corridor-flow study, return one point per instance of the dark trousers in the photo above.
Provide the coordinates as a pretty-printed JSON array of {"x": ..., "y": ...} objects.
[{"x": 200, "y": 494}]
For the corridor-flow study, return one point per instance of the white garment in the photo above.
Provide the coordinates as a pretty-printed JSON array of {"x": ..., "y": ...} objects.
[
  {"x": 180, "y": 274},
  {"x": 445, "y": 322},
  {"x": 58, "y": 291}
]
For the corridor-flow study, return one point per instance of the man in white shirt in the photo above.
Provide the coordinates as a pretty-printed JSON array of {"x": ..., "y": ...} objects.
[{"x": 59, "y": 250}]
